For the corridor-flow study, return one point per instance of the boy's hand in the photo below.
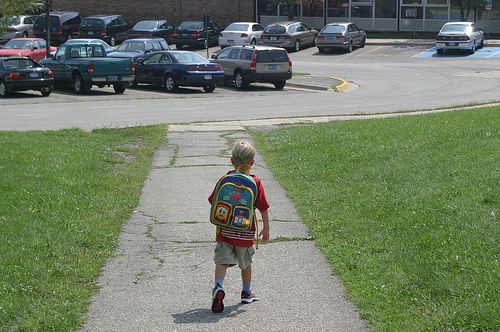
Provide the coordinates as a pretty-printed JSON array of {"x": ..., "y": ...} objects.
[{"x": 265, "y": 235}]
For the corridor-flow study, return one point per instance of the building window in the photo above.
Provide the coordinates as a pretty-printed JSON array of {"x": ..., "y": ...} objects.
[
  {"x": 436, "y": 13},
  {"x": 437, "y": 2},
  {"x": 386, "y": 8},
  {"x": 338, "y": 8},
  {"x": 361, "y": 11},
  {"x": 411, "y": 12}
]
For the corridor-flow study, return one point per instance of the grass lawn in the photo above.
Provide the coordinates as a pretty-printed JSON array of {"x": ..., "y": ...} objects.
[
  {"x": 406, "y": 212},
  {"x": 63, "y": 198}
]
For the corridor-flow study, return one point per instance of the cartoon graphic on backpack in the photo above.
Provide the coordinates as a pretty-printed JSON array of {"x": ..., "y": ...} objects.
[{"x": 233, "y": 202}]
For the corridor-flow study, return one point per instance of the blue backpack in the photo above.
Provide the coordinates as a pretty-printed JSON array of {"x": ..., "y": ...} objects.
[{"x": 233, "y": 204}]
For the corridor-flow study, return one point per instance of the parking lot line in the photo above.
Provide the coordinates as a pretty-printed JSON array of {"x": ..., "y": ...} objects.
[
  {"x": 489, "y": 56},
  {"x": 370, "y": 51}
]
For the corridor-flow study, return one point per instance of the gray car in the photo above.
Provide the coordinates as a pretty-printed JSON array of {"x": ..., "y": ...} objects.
[
  {"x": 340, "y": 35},
  {"x": 290, "y": 35},
  {"x": 18, "y": 27},
  {"x": 255, "y": 63}
]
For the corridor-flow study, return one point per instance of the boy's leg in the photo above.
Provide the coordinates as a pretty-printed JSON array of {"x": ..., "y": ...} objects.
[
  {"x": 218, "y": 293},
  {"x": 220, "y": 273}
]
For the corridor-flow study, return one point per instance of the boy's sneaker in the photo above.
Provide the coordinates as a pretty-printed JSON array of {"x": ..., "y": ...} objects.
[
  {"x": 217, "y": 297},
  {"x": 248, "y": 297}
]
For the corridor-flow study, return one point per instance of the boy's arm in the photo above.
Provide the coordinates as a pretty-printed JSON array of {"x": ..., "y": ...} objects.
[{"x": 265, "y": 229}]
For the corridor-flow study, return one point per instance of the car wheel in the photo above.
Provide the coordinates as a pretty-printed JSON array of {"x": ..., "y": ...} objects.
[
  {"x": 296, "y": 46},
  {"x": 482, "y": 44},
  {"x": 253, "y": 42},
  {"x": 46, "y": 91},
  {"x": 473, "y": 48},
  {"x": 315, "y": 42},
  {"x": 440, "y": 51},
  {"x": 133, "y": 84},
  {"x": 209, "y": 88},
  {"x": 321, "y": 49},
  {"x": 279, "y": 85},
  {"x": 363, "y": 41},
  {"x": 25, "y": 34},
  {"x": 119, "y": 88},
  {"x": 112, "y": 41},
  {"x": 170, "y": 84},
  {"x": 4, "y": 91},
  {"x": 79, "y": 85},
  {"x": 239, "y": 81},
  {"x": 349, "y": 47}
]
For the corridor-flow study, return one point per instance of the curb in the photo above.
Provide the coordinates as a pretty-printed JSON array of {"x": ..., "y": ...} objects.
[{"x": 307, "y": 86}]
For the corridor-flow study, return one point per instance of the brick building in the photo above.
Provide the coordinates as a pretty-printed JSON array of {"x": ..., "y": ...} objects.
[{"x": 222, "y": 11}]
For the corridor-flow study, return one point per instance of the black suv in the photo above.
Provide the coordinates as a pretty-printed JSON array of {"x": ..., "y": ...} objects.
[
  {"x": 110, "y": 28},
  {"x": 63, "y": 26},
  {"x": 191, "y": 33}
]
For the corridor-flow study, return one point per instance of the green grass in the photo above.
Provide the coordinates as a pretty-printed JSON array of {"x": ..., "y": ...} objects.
[
  {"x": 406, "y": 212},
  {"x": 64, "y": 196}
]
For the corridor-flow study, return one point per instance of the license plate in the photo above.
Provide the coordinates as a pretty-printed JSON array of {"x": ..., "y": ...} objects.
[
  {"x": 34, "y": 75},
  {"x": 274, "y": 38},
  {"x": 207, "y": 77},
  {"x": 452, "y": 44},
  {"x": 112, "y": 78},
  {"x": 90, "y": 33},
  {"x": 273, "y": 67},
  {"x": 230, "y": 41}
]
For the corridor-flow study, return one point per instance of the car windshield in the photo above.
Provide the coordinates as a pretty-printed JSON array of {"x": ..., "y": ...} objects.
[
  {"x": 10, "y": 20},
  {"x": 237, "y": 27},
  {"x": 275, "y": 29},
  {"x": 191, "y": 25},
  {"x": 455, "y": 28},
  {"x": 188, "y": 57},
  {"x": 333, "y": 29},
  {"x": 54, "y": 21},
  {"x": 146, "y": 25},
  {"x": 18, "y": 44},
  {"x": 132, "y": 46},
  {"x": 272, "y": 56},
  {"x": 92, "y": 23},
  {"x": 20, "y": 64}
]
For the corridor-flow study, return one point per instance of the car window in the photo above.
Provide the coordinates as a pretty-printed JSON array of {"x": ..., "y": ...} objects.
[
  {"x": 155, "y": 58},
  {"x": 257, "y": 27},
  {"x": 234, "y": 53},
  {"x": 20, "y": 63},
  {"x": 454, "y": 28},
  {"x": 165, "y": 59},
  {"x": 272, "y": 56},
  {"x": 305, "y": 27},
  {"x": 349, "y": 28},
  {"x": 237, "y": 27},
  {"x": 164, "y": 44},
  {"x": 43, "y": 43},
  {"x": 293, "y": 28},
  {"x": 189, "y": 57},
  {"x": 224, "y": 53},
  {"x": 74, "y": 21},
  {"x": 149, "y": 46},
  {"x": 36, "y": 45},
  {"x": 18, "y": 44},
  {"x": 93, "y": 23},
  {"x": 131, "y": 46},
  {"x": 27, "y": 20},
  {"x": 190, "y": 25},
  {"x": 157, "y": 46},
  {"x": 60, "y": 52},
  {"x": 276, "y": 28},
  {"x": 355, "y": 27},
  {"x": 333, "y": 29},
  {"x": 246, "y": 54}
]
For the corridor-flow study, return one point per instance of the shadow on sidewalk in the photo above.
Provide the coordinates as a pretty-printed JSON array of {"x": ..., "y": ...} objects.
[{"x": 206, "y": 315}]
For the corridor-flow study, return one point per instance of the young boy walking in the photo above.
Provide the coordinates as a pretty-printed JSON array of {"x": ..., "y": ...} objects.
[{"x": 235, "y": 244}]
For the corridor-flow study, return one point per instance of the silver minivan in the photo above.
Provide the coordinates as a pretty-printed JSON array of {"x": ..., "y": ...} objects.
[
  {"x": 18, "y": 27},
  {"x": 247, "y": 64}
]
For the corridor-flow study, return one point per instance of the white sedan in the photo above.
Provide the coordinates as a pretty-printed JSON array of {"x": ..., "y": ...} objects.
[
  {"x": 459, "y": 36},
  {"x": 241, "y": 33}
]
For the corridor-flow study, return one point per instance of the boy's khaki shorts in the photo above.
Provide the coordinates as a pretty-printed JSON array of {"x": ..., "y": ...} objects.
[{"x": 227, "y": 254}]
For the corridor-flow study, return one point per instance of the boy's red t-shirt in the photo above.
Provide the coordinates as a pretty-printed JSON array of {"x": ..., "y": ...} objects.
[{"x": 261, "y": 204}]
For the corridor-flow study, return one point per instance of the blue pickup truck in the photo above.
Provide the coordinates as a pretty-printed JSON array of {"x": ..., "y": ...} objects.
[{"x": 86, "y": 64}]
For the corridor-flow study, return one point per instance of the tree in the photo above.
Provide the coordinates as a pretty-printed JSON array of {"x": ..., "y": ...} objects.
[
  {"x": 13, "y": 8},
  {"x": 466, "y": 6}
]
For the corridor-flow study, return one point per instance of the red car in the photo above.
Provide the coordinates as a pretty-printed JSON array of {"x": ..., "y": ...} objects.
[{"x": 34, "y": 48}]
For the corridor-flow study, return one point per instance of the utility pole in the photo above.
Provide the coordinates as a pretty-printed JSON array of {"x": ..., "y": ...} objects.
[{"x": 48, "y": 4}]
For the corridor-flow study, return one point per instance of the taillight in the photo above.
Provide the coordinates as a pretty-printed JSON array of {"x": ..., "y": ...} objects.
[
  {"x": 175, "y": 34},
  {"x": 50, "y": 73},
  {"x": 264, "y": 37},
  {"x": 244, "y": 35},
  {"x": 284, "y": 37},
  {"x": 14, "y": 75},
  {"x": 90, "y": 68},
  {"x": 253, "y": 64},
  {"x": 11, "y": 30},
  {"x": 339, "y": 37},
  {"x": 133, "y": 67},
  {"x": 192, "y": 68},
  {"x": 195, "y": 34},
  {"x": 61, "y": 30},
  {"x": 289, "y": 64},
  {"x": 103, "y": 33}
]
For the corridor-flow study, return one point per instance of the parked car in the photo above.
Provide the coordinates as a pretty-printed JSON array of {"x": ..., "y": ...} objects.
[
  {"x": 152, "y": 29},
  {"x": 17, "y": 27},
  {"x": 110, "y": 28},
  {"x": 289, "y": 35},
  {"x": 85, "y": 64},
  {"x": 35, "y": 48},
  {"x": 241, "y": 33},
  {"x": 459, "y": 36},
  {"x": 191, "y": 33},
  {"x": 63, "y": 26},
  {"x": 22, "y": 74},
  {"x": 258, "y": 63},
  {"x": 138, "y": 48},
  {"x": 106, "y": 46},
  {"x": 172, "y": 69},
  {"x": 340, "y": 35}
]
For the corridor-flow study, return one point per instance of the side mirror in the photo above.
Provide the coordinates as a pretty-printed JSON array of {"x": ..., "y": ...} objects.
[
  {"x": 213, "y": 56},
  {"x": 140, "y": 60}
]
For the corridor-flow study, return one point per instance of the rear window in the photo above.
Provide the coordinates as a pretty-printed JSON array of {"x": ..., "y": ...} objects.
[
  {"x": 54, "y": 21},
  {"x": 275, "y": 29},
  {"x": 188, "y": 57},
  {"x": 10, "y": 20},
  {"x": 94, "y": 23},
  {"x": 146, "y": 25},
  {"x": 132, "y": 46},
  {"x": 237, "y": 27},
  {"x": 20, "y": 64},
  {"x": 86, "y": 51},
  {"x": 333, "y": 29},
  {"x": 272, "y": 56},
  {"x": 18, "y": 44},
  {"x": 191, "y": 25},
  {"x": 454, "y": 28}
]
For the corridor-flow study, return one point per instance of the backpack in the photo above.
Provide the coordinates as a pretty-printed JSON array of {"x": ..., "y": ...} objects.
[{"x": 233, "y": 202}]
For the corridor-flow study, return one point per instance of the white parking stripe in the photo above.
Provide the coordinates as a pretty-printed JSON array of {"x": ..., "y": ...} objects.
[
  {"x": 489, "y": 56},
  {"x": 370, "y": 51}
]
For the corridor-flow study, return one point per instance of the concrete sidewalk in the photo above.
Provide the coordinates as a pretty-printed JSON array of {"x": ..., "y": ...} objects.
[{"x": 161, "y": 277}]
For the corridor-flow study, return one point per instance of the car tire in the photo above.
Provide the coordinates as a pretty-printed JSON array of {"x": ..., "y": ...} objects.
[
  {"x": 296, "y": 46},
  {"x": 46, "y": 91},
  {"x": 482, "y": 44},
  {"x": 209, "y": 88},
  {"x": 133, "y": 84},
  {"x": 315, "y": 40},
  {"x": 473, "y": 48},
  {"x": 170, "y": 84},
  {"x": 253, "y": 41},
  {"x": 321, "y": 49},
  {"x": 25, "y": 34},
  {"x": 439, "y": 51},
  {"x": 363, "y": 42},
  {"x": 79, "y": 85},
  {"x": 349, "y": 47},
  {"x": 279, "y": 85},
  {"x": 4, "y": 91},
  {"x": 239, "y": 81},
  {"x": 119, "y": 88},
  {"x": 112, "y": 41}
]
